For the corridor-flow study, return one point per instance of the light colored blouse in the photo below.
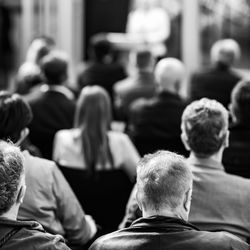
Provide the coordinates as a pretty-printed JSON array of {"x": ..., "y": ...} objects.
[{"x": 67, "y": 151}]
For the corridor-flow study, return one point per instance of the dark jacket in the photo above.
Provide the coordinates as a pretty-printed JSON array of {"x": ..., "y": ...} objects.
[
  {"x": 27, "y": 235},
  {"x": 52, "y": 111},
  {"x": 156, "y": 123},
  {"x": 236, "y": 158},
  {"x": 214, "y": 83},
  {"x": 166, "y": 233}
]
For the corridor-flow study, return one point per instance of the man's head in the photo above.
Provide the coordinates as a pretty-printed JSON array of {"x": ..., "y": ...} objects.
[
  {"x": 12, "y": 182},
  {"x": 15, "y": 116},
  {"x": 100, "y": 49},
  {"x": 240, "y": 103},
  {"x": 164, "y": 185},
  {"x": 54, "y": 68},
  {"x": 169, "y": 74},
  {"x": 225, "y": 51},
  {"x": 143, "y": 60},
  {"x": 205, "y": 127}
]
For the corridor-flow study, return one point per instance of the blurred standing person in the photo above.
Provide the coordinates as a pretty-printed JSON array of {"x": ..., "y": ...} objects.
[
  {"x": 150, "y": 24},
  {"x": 101, "y": 69},
  {"x": 141, "y": 83}
]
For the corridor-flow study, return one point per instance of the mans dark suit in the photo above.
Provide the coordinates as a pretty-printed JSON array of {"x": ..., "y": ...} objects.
[
  {"x": 53, "y": 109},
  {"x": 155, "y": 123},
  {"x": 132, "y": 88},
  {"x": 214, "y": 83}
]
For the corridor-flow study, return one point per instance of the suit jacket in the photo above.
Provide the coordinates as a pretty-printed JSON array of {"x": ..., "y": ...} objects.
[
  {"x": 236, "y": 157},
  {"x": 53, "y": 109},
  {"x": 166, "y": 233},
  {"x": 155, "y": 123},
  {"x": 214, "y": 83},
  {"x": 104, "y": 75},
  {"x": 132, "y": 88}
]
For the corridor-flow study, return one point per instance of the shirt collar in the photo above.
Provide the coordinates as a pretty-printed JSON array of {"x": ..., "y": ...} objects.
[
  {"x": 58, "y": 88},
  {"x": 205, "y": 163}
]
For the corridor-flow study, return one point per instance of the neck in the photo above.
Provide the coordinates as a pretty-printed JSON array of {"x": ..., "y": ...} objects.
[
  {"x": 166, "y": 213},
  {"x": 215, "y": 157},
  {"x": 12, "y": 213}
]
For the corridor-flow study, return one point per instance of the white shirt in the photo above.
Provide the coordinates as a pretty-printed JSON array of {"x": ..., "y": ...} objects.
[{"x": 68, "y": 151}]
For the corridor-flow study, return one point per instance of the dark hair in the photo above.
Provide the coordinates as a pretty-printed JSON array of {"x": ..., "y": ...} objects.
[
  {"x": 54, "y": 67},
  {"x": 205, "y": 123},
  {"x": 143, "y": 58},
  {"x": 93, "y": 117},
  {"x": 240, "y": 102},
  {"x": 162, "y": 180},
  {"x": 11, "y": 169},
  {"x": 15, "y": 115},
  {"x": 99, "y": 47}
]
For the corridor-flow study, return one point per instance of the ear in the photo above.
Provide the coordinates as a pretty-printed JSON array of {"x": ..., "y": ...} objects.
[
  {"x": 185, "y": 141},
  {"x": 24, "y": 133},
  {"x": 21, "y": 194},
  {"x": 187, "y": 200},
  {"x": 226, "y": 142}
]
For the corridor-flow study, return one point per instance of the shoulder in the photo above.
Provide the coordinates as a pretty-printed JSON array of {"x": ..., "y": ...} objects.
[
  {"x": 118, "y": 137},
  {"x": 64, "y": 134},
  {"x": 121, "y": 86},
  {"x": 141, "y": 103}
]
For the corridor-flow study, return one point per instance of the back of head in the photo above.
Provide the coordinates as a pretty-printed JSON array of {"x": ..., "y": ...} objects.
[
  {"x": 205, "y": 126},
  {"x": 54, "y": 67},
  {"x": 15, "y": 115},
  {"x": 143, "y": 60},
  {"x": 240, "y": 102},
  {"x": 100, "y": 48},
  {"x": 169, "y": 74},
  {"x": 225, "y": 51},
  {"x": 11, "y": 171},
  {"x": 93, "y": 117},
  {"x": 163, "y": 178}
]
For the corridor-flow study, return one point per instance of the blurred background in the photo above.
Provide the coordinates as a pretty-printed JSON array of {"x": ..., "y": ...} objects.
[{"x": 194, "y": 26}]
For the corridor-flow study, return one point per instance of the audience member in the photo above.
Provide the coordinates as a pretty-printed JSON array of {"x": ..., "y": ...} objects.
[
  {"x": 236, "y": 157},
  {"x": 140, "y": 84},
  {"x": 219, "y": 199},
  {"x": 93, "y": 147},
  {"x": 164, "y": 190},
  {"x": 29, "y": 73},
  {"x": 17, "y": 234},
  {"x": 49, "y": 198},
  {"x": 101, "y": 69},
  {"x": 217, "y": 81},
  {"x": 155, "y": 123},
  {"x": 52, "y": 104}
]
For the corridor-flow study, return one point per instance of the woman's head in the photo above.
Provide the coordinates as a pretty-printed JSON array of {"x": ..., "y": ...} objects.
[{"x": 93, "y": 108}]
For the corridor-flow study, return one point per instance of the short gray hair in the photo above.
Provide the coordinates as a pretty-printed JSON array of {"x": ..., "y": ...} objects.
[
  {"x": 163, "y": 178},
  {"x": 11, "y": 170},
  {"x": 205, "y": 123}
]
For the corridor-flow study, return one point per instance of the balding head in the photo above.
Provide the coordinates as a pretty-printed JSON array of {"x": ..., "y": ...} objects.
[
  {"x": 169, "y": 74},
  {"x": 225, "y": 51}
]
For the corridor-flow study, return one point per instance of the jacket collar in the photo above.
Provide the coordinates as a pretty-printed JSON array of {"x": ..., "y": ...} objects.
[
  {"x": 205, "y": 163},
  {"x": 163, "y": 223}
]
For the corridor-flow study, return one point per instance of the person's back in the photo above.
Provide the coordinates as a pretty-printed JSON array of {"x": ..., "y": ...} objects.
[
  {"x": 164, "y": 189},
  {"x": 17, "y": 234},
  {"x": 236, "y": 157},
  {"x": 155, "y": 123},
  {"x": 141, "y": 83},
  {"x": 217, "y": 81},
  {"x": 219, "y": 199},
  {"x": 52, "y": 104}
]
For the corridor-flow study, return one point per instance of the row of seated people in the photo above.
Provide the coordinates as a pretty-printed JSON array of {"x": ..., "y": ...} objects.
[
  {"x": 152, "y": 122},
  {"x": 164, "y": 190}
]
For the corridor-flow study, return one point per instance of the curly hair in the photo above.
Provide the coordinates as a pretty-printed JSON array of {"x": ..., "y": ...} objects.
[
  {"x": 205, "y": 123},
  {"x": 11, "y": 169}
]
